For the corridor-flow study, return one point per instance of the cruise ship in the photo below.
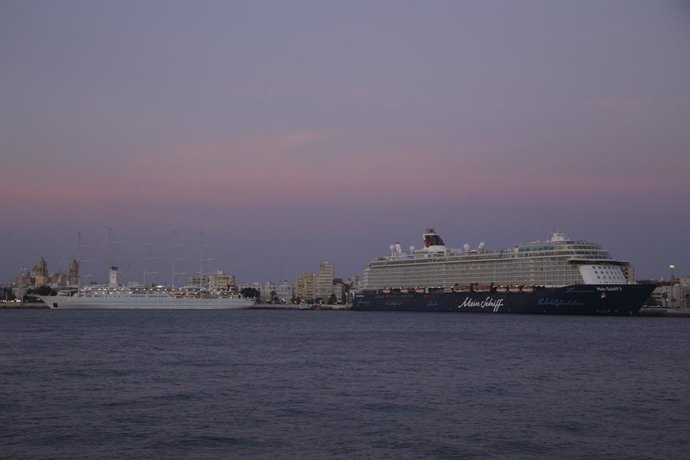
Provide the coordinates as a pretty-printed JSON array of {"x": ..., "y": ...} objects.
[
  {"x": 115, "y": 296},
  {"x": 560, "y": 276}
]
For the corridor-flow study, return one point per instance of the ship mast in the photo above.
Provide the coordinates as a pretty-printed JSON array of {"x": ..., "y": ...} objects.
[
  {"x": 79, "y": 261},
  {"x": 110, "y": 247},
  {"x": 203, "y": 258},
  {"x": 175, "y": 257},
  {"x": 148, "y": 254},
  {"x": 202, "y": 250},
  {"x": 111, "y": 257}
]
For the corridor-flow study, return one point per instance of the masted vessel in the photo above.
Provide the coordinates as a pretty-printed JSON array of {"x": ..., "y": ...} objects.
[{"x": 115, "y": 296}]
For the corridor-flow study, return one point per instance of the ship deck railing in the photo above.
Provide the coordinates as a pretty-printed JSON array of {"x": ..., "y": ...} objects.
[{"x": 457, "y": 288}]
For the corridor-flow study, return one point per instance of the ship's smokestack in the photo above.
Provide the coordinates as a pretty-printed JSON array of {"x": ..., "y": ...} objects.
[{"x": 113, "y": 277}]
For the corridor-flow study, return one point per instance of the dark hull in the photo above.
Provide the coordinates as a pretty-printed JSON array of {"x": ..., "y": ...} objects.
[{"x": 569, "y": 300}]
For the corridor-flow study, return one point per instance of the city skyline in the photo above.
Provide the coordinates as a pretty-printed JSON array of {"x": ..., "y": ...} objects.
[{"x": 295, "y": 133}]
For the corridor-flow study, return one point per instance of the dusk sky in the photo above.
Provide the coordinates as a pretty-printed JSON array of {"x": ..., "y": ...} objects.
[{"x": 294, "y": 132}]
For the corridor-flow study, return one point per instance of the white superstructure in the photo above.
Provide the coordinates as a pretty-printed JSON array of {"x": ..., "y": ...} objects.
[{"x": 556, "y": 262}]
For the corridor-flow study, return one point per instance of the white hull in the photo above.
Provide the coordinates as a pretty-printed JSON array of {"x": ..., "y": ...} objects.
[{"x": 143, "y": 302}]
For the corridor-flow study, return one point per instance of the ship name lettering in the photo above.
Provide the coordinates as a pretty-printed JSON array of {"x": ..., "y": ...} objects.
[
  {"x": 609, "y": 289},
  {"x": 489, "y": 302}
]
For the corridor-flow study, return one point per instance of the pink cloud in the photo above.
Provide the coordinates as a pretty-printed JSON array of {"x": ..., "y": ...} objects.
[
  {"x": 298, "y": 168},
  {"x": 614, "y": 105}
]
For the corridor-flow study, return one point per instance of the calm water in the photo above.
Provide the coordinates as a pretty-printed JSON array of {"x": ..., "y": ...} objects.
[{"x": 287, "y": 384}]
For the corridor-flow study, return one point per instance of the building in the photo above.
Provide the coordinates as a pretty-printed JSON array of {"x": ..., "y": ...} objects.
[
  {"x": 39, "y": 273},
  {"x": 219, "y": 281},
  {"x": 284, "y": 292},
  {"x": 304, "y": 287},
  {"x": 39, "y": 276},
  {"x": 268, "y": 292},
  {"x": 323, "y": 288},
  {"x": 672, "y": 294},
  {"x": 73, "y": 273},
  {"x": 339, "y": 290},
  {"x": 256, "y": 286},
  {"x": 198, "y": 281}
]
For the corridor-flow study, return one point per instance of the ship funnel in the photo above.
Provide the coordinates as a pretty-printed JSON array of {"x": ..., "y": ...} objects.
[{"x": 113, "y": 277}]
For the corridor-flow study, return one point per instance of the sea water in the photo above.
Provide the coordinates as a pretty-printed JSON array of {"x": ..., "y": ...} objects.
[{"x": 326, "y": 384}]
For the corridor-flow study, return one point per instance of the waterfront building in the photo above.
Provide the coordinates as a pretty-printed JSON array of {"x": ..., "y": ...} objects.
[
  {"x": 353, "y": 282},
  {"x": 39, "y": 273},
  {"x": 268, "y": 291},
  {"x": 39, "y": 276},
  {"x": 672, "y": 294},
  {"x": 304, "y": 287},
  {"x": 219, "y": 281},
  {"x": 339, "y": 290},
  {"x": 254, "y": 285},
  {"x": 73, "y": 273},
  {"x": 198, "y": 280},
  {"x": 24, "y": 280},
  {"x": 284, "y": 292},
  {"x": 324, "y": 282},
  {"x": 216, "y": 281}
]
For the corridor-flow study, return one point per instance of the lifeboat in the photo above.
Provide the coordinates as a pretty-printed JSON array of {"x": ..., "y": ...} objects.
[{"x": 481, "y": 287}]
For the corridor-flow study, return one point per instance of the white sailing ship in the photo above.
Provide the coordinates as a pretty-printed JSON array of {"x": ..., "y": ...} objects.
[{"x": 115, "y": 296}]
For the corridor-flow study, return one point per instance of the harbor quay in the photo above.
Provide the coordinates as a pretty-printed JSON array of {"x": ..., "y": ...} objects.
[
  {"x": 14, "y": 305},
  {"x": 301, "y": 307}
]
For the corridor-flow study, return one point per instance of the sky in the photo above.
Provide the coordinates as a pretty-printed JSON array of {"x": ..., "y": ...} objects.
[{"x": 292, "y": 133}]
